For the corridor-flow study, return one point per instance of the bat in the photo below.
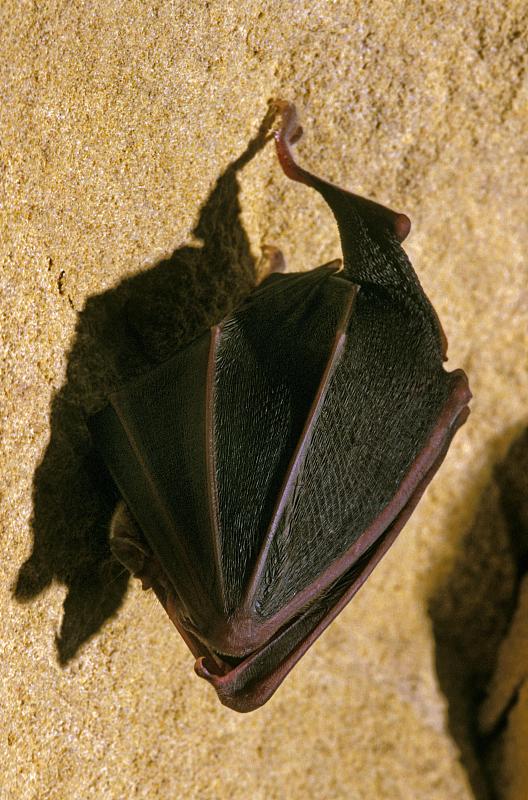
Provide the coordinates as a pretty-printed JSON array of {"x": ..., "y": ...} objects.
[{"x": 265, "y": 468}]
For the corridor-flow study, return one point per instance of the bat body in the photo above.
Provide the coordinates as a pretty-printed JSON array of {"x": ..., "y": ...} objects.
[{"x": 267, "y": 467}]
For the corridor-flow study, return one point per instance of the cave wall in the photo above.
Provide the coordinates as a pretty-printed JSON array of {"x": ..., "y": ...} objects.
[{"x": 118, "y": 122}]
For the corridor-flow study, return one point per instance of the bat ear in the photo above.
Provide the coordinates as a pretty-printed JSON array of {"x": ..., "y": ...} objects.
[
  {"x": 339, "y": 200},
  {"x": 126, "y": 540}
]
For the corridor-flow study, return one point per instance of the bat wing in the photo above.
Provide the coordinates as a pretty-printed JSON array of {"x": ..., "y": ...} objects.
[{"x": 199, "y": 446}]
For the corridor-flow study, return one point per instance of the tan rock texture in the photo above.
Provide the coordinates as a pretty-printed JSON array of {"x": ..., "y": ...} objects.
[
  {"x": 481, "y": 633},
  {"x": 118, "y": 122}
]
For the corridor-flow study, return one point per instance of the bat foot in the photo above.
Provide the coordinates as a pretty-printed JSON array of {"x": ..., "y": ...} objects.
[
  {"x": 289, "y": 132},
  {"x": 290, "y": 129}
]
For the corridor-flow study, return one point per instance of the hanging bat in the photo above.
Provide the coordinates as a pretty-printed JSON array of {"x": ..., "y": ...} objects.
[{"x": 267, "y": 467}]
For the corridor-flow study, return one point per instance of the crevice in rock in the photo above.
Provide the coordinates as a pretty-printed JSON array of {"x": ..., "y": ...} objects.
[{"x": 475, "y": 616}]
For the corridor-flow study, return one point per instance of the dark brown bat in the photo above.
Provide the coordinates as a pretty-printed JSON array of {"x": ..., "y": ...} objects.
[{"x": 267, "y": 467}]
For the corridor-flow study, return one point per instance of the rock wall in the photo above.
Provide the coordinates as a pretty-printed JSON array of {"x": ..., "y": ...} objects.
[{"x": 119, "y": 123}]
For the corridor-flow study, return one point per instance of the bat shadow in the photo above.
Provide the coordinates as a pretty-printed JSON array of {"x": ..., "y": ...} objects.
[
  {"x": 119, "y": 335},
  {"x": 472, "y": 611}
]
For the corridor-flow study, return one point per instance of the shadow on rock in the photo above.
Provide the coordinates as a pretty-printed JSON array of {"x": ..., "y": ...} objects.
[
  {"x": 472, "y": 614},
  {"x": 120, "y": 334}
]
